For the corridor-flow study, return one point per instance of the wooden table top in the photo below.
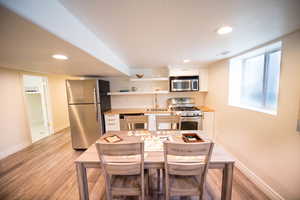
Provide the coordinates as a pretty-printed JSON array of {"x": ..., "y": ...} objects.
[{"x": 154, "y": 156}]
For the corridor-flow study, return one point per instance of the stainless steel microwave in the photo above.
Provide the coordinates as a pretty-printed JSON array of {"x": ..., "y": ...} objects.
[{"x": 184, "y": 83}]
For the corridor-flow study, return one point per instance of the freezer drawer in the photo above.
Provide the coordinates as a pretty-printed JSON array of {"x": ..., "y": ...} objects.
[{"x": 84, "y": 124}]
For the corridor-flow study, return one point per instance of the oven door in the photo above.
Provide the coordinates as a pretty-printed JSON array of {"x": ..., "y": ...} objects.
[
  {"x": 191, "y": 123},
  {"x": 180, "y": 85}
]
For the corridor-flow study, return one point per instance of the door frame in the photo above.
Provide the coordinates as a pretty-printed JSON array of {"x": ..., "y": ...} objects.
[{"x": 46, "y": 103}]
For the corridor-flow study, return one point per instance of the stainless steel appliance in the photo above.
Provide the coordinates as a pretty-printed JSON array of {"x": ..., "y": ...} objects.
[
  {"x": 184, "y": 83},
  {"x": 87, "y": 100},
  {"x": 191, "y": 116}
]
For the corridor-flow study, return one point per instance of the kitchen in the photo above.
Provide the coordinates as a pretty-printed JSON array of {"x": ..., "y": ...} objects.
[
  {"x": 179, "y": 92},
  {"x": 173, "y": 79}
]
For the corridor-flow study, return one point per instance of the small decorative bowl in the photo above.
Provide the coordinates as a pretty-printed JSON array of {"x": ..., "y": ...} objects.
[{"x": 139, "y": 75}]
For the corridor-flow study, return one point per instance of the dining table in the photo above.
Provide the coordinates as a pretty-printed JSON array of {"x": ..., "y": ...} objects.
[{"x": 154, "y": 156}]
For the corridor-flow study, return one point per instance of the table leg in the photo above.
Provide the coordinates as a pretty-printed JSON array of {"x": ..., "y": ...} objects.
[
  {"x": 227, "y": 181},
  {"x": 82, "y": 181}
]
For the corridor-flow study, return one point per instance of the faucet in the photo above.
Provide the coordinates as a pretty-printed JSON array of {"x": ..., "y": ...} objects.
[{"x": 155, "y": 101}]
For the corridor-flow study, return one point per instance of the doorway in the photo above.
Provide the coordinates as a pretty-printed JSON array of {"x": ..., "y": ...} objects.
[{"x": 37, "y": 103}]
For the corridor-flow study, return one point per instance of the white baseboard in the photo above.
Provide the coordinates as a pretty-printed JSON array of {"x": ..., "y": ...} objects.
[
  {"x": 21, "y": 146},
  {"x": 264, "y": 187},
  {"x": 60, "y": 128},
  {"x": 13, "y": 149}
]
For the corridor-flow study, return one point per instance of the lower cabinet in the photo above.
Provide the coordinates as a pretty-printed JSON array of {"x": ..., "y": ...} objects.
[
  {"x": 112, "y": 122},
  {"x": 208, "y": 124}
]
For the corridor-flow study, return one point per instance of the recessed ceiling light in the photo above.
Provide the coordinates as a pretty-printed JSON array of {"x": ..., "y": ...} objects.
[
  {"x": 186, "y": 60},
  {"x": 224, "y": 30},
  {"x": 60, "y": 57}
]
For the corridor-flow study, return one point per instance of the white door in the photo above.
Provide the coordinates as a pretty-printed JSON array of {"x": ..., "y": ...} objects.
[{"x": 37, "y": 106}]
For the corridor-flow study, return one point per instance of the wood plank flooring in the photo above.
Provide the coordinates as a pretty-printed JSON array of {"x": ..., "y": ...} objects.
[{"x": 45, "y": 170}]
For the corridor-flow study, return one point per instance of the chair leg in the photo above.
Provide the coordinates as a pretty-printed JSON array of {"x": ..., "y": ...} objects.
[
  {"x": 158, "y": 180},
  {"x": 108, "y": 195},
  {"x": 167, "y": 195},
  {"x": 107, "y": 188},
  {"x": 148, "y": 182},
  {"x": 202, "y": 193},
  {"x": 163, "y": 175},
  {"x": 144, "y": 189}
]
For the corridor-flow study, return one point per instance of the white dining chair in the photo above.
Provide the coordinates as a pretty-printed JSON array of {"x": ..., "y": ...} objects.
[
  {"x": 186, "y": 168},
  {"x": 123, "y": 177},
  {"x": 172, "y": 120},
  {"x": 132, "y": 122}
]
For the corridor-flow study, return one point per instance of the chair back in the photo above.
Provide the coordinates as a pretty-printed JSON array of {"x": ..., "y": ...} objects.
[
  {"x": 133, "y": 120},
  {"x": 122, "y": 158},
  {"x": 187, "y": 159},
  {"x": 173, "y": 120},
  {"x": 186, "y": 167}
]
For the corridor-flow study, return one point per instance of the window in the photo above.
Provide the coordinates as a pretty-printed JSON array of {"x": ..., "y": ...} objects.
[{"x": 254, "y": 79}]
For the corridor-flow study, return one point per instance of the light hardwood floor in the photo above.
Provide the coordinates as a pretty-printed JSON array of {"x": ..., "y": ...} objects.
[{"x": 45, "y": 170}]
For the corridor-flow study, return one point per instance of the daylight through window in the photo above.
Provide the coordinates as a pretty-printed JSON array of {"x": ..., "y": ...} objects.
[{"x": 254, "y": 79}]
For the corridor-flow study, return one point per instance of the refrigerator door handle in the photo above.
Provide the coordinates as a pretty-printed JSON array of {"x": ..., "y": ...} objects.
[{"x": 95, "y": 102}]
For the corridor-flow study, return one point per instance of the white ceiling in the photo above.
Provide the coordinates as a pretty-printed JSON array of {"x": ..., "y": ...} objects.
[
  {"x": 27, "y": 47},
  {"x": 155, "y": 33}
]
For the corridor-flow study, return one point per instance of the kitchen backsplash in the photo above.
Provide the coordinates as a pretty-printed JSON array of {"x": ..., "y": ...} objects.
[{"x": 147, "y": 101}]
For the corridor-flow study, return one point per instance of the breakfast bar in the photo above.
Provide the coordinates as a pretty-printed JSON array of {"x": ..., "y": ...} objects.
[{"x": 154, "y": 159}]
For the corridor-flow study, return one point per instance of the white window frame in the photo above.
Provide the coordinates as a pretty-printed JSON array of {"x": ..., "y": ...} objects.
[{"x": 236, "y": 75}]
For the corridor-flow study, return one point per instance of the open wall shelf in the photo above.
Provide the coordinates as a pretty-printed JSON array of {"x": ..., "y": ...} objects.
[{"x": 150, "y": 79}]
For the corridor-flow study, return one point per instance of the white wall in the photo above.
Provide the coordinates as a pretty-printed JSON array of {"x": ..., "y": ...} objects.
[
  {"x": 59, "y": 103},
  {"x": 14, "y": 123},
  {"x": 146, "y": 101},
  {"x": 268, "y": 145},
  {"x": 15, "y": 133},
  {"x": 35, "y": 110}
]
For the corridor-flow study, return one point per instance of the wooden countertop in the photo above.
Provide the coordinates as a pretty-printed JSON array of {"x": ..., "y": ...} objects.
[
  {"x": 206, "y": 109},
  {"x": 134, "y": 110},
  {"x": 145, "y": 111}
]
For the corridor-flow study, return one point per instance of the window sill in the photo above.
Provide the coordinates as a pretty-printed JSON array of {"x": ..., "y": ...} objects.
[{"x": 270, "y": 112}]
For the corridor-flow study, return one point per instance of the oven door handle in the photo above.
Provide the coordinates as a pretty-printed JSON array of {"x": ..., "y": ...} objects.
[{"x": 196, "y": 118}]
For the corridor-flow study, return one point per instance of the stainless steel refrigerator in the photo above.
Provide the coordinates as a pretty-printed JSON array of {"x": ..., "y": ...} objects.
[{"x": 87, "y": 101}]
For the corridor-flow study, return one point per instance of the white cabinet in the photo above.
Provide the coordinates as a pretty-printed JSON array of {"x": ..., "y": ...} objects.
[
  {"x": 203, "y": 79},
  {"x": 183, "y": 70},
  {"x": 186, "y": 70},
  {"x": 208, "y": 124},
  {"x": 152, "y": 122},
  {"x": 112, "y": 122}
]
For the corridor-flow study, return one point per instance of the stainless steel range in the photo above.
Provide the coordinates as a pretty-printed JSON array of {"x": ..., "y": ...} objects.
[{"x": 191, "y": 116}]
